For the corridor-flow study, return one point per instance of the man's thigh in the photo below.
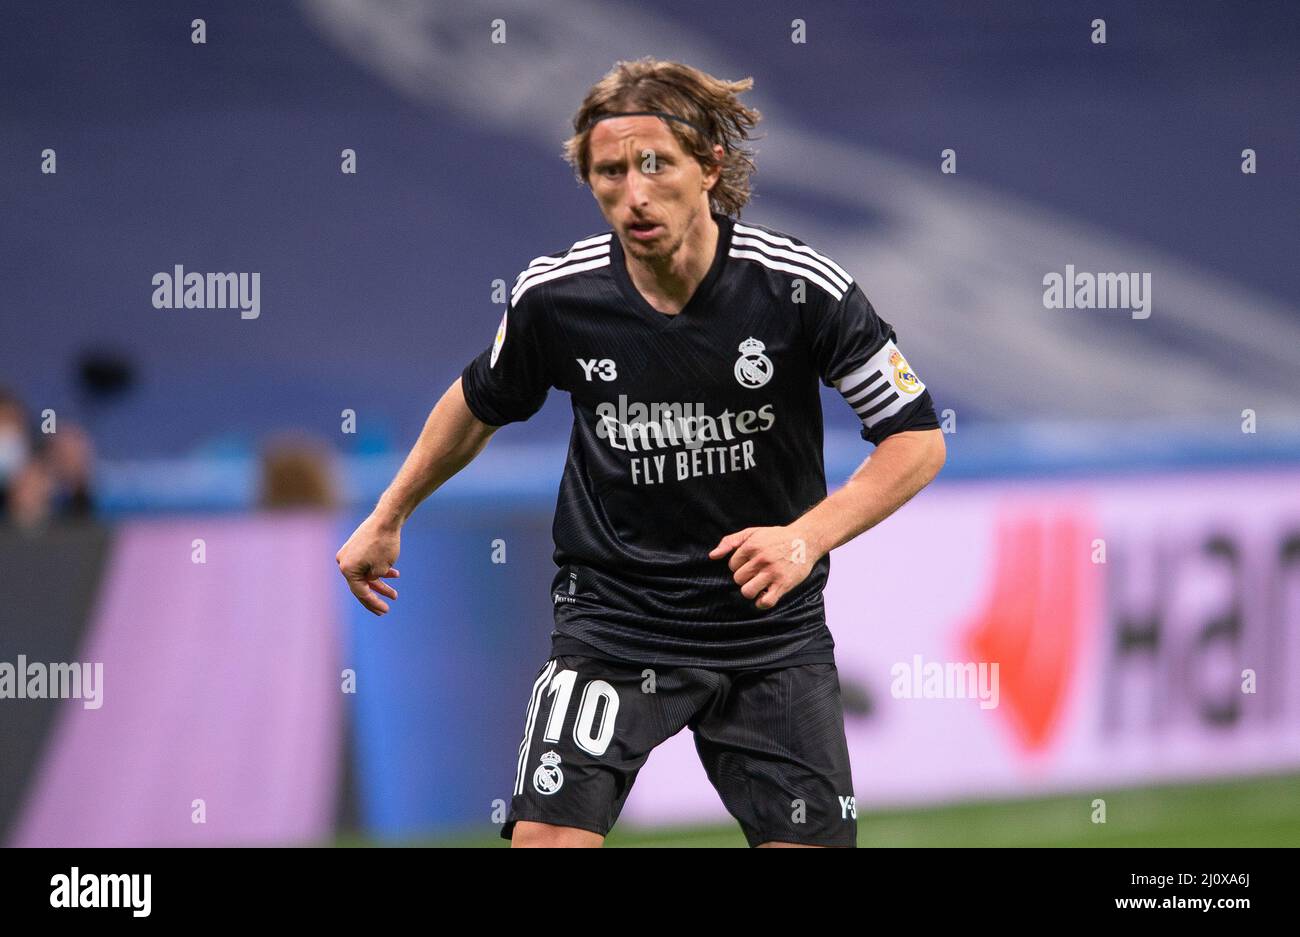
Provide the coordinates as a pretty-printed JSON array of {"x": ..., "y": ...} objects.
[
  {"x": 529, "y": 834},
  {"x": 589, "y": 728},
  {"x": 773, "y": 745}
]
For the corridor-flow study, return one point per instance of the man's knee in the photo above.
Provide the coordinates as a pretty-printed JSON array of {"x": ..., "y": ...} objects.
[{"x": 531, "y": 834}]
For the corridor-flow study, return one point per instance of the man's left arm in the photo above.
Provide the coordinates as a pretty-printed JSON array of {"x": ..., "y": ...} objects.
[
  {"x": 770, "y": 561},
  {"x": 901, "y": 465},
  {"x": 854, "y": 352}
]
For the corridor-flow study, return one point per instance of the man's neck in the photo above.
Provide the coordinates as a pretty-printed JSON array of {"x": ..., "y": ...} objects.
[{"x": 669, "y": 284}]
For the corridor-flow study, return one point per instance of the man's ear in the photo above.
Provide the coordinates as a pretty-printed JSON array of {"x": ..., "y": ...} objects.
[{"x": 716, "y": 168}]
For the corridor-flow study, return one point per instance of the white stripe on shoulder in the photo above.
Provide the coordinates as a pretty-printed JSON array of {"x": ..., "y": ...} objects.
[
  {"x": 781, "y": 253},
  {"x": 556, "y": 274},
  {"x": 550, "y": 260},
  {"x": 774, "y": 264},
  {"x": 569, "y": 257},
  {"x": 779, "y": 241},
  {"x": 587, "y": 254}
]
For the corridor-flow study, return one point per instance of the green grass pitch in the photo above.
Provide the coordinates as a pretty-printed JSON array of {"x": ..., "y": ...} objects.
[{"x": 1241, "y": 812}]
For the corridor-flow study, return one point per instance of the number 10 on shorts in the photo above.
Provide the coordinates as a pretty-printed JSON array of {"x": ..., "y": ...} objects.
[{"x": 587, "y": 735}]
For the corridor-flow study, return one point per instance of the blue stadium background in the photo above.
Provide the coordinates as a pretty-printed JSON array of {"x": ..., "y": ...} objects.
[{"x": 376, "y": 287}]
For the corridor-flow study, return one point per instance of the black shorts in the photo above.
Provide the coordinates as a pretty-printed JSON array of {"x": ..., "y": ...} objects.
[{"x": 771, "y": 741}]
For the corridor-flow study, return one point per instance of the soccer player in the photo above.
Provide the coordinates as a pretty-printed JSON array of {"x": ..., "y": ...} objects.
[{"x": 692, "y": 529}]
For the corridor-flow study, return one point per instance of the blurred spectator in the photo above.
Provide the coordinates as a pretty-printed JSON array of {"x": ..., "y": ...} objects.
[
  {"x": 69, "y": 456},
  {"x": 30, "y": 497},
  {"x": 42, "y": 477},
  {"x": 297, "y": 471},
  {"x": 15, "y": 444}
]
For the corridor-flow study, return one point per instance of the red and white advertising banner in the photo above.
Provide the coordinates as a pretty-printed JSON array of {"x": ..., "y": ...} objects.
[{"x": 1015, "y": 638}]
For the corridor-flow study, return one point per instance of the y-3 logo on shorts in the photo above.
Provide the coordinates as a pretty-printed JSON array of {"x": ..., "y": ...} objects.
[
  {"x": 548, "y": 778},
  {"x": 848, "y": 807}
]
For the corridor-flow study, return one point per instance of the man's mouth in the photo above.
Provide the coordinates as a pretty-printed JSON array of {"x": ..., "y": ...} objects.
[{"x": 643, "y": 229}]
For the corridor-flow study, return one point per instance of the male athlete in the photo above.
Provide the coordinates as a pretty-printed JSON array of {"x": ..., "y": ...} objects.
[{"x": 692, "y": 530}]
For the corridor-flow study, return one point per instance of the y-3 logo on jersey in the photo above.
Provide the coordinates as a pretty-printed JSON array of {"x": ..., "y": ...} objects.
[
  {"x": 753, "y": 368},
  {"x": 605, "y": 368}
]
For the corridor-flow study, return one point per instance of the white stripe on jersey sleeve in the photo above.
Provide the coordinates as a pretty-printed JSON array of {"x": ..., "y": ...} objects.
[
  {"x": 770, "y": 238},
  {"x": 562, "y": 270},
  {"x": 767, "y": 261},
  {"x": 878, "y": 389},
  {"x": 807, "y": 259},
  {"x": 578, "y": 250}
]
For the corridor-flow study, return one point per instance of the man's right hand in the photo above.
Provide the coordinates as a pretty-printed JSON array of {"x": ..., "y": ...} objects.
[{"x": 367, "y": 559}]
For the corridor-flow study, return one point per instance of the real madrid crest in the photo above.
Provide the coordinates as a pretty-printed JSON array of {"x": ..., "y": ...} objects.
[
  {"x": 500, "y": 340},
  {"x": 904, "y": 379},
  {"x": 753, "y": 368},
  {"x": 548, "y": 778}
]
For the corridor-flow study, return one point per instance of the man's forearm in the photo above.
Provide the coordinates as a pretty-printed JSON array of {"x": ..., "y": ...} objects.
[
  {"x": 452, "y": 436},
  {"x": 901, "y": 466}
]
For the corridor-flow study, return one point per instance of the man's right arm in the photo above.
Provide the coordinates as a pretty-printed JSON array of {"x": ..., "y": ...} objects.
[
  {"x": 451, "y": 438},
  {"x": 506, "y": 383}
]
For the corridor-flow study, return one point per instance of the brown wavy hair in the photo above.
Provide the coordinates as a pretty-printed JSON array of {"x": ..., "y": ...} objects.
[{"x": 650, "y": 84}]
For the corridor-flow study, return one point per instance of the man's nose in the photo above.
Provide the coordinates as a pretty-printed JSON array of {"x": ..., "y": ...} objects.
[{"x": 636, "y": 185}]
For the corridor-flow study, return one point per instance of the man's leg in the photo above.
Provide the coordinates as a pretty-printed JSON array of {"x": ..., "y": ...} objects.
[
  {"x": 773, "y": 745},
  {"x": 531, "y": 834},
  {"x": 591, "y": 724}
]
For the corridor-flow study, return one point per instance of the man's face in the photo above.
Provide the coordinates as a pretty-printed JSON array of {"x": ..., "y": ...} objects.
[{"x": 649, "y": 190}]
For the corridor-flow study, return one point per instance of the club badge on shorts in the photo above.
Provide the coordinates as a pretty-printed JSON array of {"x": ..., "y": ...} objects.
[{"x": 548, "y": 778}]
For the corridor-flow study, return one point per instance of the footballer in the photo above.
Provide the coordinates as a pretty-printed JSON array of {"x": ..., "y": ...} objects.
[{"x": 692, "y": 530}]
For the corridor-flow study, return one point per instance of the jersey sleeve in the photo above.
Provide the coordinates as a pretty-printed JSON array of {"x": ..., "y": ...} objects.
[
  {"x": 856, "y": 353},
  {"x": 509, "y": 381}
]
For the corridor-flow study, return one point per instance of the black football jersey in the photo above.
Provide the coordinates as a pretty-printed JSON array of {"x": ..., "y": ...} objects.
[{"x": 686, "y": 428}]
